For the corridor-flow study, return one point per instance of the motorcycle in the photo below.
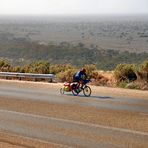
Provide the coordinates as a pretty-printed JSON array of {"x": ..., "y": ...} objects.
[{"x": 76, "y": 88}]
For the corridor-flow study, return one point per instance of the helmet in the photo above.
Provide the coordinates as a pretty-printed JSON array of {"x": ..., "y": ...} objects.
[{"x": 83, "y": 69}]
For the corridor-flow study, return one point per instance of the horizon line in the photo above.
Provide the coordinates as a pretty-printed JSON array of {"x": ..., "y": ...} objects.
[{"x": 105, "y": 14}]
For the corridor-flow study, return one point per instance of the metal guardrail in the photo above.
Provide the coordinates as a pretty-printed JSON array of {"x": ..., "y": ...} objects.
[{"x": 51, "y": 77}]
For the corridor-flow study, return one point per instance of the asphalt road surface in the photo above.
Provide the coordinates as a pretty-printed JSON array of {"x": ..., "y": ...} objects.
[{"x": 72, "y": 132}]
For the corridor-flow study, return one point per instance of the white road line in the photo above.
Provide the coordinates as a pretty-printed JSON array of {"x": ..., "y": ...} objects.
[{"x": 80, "y": 123}]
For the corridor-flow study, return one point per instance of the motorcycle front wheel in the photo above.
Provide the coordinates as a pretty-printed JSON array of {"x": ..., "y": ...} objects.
[{"x": 87, "y": 91}]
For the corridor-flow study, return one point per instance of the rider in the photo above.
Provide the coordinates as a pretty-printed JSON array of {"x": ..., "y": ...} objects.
[{"x": 80, "y": 77}]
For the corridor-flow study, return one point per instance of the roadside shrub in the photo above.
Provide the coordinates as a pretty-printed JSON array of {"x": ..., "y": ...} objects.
[
  {"x": 17, "y": 69},
  {"x": 55, "y": 69},
  {"x": 122, "y": 84},
  {"x": 5, "y": 66},
  {"x": 66, "y": 76},
  {"x": 144, "y": 66},
  {"x": 125, "y": 72},
  {"x": 90, "y": 70},
  {"x": 132, "y": 85},
  {"x": 103, "y": 78},
  {"x": 142, "y": 72},
  {"x": 100, "y": 80},
  {"x": 41, "y": 67}
]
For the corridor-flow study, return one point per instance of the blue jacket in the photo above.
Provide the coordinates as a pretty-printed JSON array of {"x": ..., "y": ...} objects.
[{"x": 80, "y": 75}]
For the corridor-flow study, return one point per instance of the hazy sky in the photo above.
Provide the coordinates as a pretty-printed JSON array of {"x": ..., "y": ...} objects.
[{"x": 68, "y": 7}]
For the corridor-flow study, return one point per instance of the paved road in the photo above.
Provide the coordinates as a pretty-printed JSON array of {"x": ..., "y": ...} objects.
[
  {"x": 69, "y": 132},
  {"x": 96, "y": 100}
]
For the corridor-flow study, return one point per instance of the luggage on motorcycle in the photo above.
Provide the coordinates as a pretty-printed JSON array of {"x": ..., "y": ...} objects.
[
  {"x": 67, "y": 86},
  {"x": 67, "y": 89}
]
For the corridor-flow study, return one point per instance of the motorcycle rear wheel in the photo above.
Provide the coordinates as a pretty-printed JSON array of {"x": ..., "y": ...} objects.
[{"x": 75, "y": 93}]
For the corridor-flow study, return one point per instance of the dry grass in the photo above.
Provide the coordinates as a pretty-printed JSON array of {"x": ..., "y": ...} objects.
[{"x": 104, "y": 78}]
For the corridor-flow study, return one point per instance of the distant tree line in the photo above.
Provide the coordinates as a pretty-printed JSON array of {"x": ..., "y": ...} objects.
[{"x": 21, "y": 53}]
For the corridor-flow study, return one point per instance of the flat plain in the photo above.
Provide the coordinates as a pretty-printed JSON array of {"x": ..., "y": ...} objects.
[{"x": 124, "y": 33}]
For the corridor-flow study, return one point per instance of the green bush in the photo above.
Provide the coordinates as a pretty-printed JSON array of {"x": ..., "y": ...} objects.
[
  {"x": 5, "y": 66},
  {"x": 142, "y": 71},
  {"x": 122, "y": 84},
  {"x": 17, "y": 69},
  {"x": 144, "y": 66},
  {"x": 66, "y": 76},
  {"x": 125, "y": 72},
  {"x": 90, "y": 70},
  {"x": 132, "y": 85},
  {"x": 41, "y": 67},
  {"x": 57, "y": 68}
]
